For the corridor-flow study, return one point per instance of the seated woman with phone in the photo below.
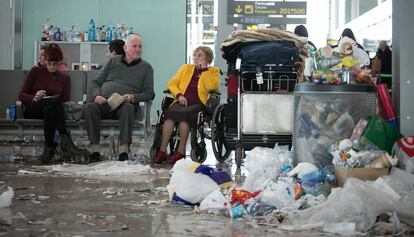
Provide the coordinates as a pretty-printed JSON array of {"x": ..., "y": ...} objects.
[
  {"x": 43, "y": 94},
  {"x": 190, "y": 87}
]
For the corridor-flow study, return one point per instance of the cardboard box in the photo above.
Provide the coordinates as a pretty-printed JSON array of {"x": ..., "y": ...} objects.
[{"x": 361, "y": 173}]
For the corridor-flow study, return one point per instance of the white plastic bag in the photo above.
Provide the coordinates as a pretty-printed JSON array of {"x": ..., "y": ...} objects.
[
  {"x": 191, "y": 187},
  {"x": 6, "y": 197},
  {"x": 213, "y": 201},
  {"x": 264, "y": 165},
  {"x": 358, "y": 202},
  {"x": 278, "y": 194},
  {"x": 405, "y": 161},
  {"x": 302, "y": 169},
  {"x": 185, "y": 165}
]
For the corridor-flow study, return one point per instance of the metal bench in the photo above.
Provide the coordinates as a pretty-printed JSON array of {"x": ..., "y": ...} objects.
[{"x": 11, "y": 82}]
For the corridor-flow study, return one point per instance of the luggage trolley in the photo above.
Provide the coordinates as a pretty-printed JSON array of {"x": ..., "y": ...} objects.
[{"x": 263, "y": 103}]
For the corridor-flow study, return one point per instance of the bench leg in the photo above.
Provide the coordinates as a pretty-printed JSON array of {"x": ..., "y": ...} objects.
[{"x": 114, "y": 146}]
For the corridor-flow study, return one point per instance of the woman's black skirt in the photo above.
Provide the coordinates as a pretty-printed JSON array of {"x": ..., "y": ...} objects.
[{"x": 180, "y": 113}]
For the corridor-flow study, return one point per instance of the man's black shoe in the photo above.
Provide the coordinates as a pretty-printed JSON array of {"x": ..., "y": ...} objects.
[
  {"x": 95, "y": 157},
  {"x": 123, "y": 156}
]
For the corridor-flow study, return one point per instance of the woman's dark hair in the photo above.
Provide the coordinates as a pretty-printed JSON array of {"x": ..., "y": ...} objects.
[
  {"x": 348, "y": 33},
  {"x": 117, "y": 46},
  {"x": 301, "y": 31},
  {"x": 53, "y": 53}
]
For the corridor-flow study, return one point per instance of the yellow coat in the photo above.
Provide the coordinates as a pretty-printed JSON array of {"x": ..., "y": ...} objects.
[{"x": 209, "y": 80}]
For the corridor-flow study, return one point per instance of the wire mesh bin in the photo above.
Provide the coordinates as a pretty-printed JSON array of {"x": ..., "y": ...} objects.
[{"x": 324, "y": 114}]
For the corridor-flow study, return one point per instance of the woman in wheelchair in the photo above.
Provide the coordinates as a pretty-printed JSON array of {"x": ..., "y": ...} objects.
[{"x": 190, "y": 87}]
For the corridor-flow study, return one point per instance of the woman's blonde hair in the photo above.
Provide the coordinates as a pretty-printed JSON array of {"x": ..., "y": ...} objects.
[{"x": 209, "y": 53}]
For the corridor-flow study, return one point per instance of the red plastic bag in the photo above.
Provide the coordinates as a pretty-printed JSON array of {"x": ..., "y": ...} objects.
[
  {"x": 385, "y": 106},
  {"x": 241, "y": 195}
]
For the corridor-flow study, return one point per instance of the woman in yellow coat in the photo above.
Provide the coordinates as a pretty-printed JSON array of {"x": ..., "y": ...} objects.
[{"x": 190, "y": 87}]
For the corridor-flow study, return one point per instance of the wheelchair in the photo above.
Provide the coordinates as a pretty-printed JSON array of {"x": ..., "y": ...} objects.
[
  {"x": 259, "y": 108},
  {"x": 198, "y": 133}
]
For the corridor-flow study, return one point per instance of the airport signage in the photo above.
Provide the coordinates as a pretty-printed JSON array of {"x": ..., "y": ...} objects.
[{"x": 266, "y": 12}]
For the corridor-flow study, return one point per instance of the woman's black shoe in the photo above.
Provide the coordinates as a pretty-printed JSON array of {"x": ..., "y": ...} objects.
[{"x": 47, "y": 155}]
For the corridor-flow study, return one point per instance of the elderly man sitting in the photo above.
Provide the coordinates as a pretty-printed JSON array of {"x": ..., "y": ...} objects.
[{"x": 133, "y": 79}]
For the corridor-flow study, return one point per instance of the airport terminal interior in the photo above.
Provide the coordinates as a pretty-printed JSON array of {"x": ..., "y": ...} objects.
[{"x": 206, "y": 118}]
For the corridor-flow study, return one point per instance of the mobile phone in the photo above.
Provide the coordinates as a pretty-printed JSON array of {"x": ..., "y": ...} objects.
[{"x": 51, "y": 96}]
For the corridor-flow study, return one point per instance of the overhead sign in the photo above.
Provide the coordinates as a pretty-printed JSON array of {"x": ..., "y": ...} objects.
[{"x": 266, "y": 11}]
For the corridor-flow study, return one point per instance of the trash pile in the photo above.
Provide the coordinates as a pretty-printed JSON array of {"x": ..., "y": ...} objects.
[
  {"x": 366, "y": 154},
  {"x": 272, "y": 186},
  {"x": 308, "y": 196},
  {"x": 372, "y": 137},
  {"x": 341, "y": 65}
]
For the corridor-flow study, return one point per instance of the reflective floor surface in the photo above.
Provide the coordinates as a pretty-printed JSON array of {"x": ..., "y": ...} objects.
[{"x": 130, "y": 199}]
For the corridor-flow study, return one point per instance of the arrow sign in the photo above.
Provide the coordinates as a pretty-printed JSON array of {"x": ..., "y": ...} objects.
[{"x": 238, "y": 9}]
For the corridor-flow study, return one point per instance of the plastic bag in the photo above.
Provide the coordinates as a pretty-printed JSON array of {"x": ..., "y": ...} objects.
[
  {"x": 404, "y": 150},
  {"x": 278, "y": 194},
  {"x": 381, "y": 133},
  {"x": 189, "y": 187},
  {"x": 386, "y": 111},
  {"x": 241, "y": 196},
  {"x": 6, "y": 197},
  {"x": 302, "y": 169},
  {"x": 220, "y": 176},
  {"x": 73, "y": 111},
  {"x": 359, "y": 202},
  {"x": 264, "y": 165},
  {"x": 213, "y": 201}
]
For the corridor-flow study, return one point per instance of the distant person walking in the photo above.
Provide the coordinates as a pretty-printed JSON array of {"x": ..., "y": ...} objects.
[{"x": 384, "y": 54}]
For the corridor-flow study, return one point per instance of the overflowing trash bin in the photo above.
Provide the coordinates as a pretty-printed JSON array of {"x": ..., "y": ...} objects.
[{"x": 324, "y": 114}]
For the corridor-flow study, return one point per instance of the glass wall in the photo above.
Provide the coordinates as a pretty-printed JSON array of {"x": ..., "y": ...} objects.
[{"x": 201, "y": 25}]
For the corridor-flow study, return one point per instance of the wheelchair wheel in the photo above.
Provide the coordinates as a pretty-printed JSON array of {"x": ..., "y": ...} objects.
[
  {"x": 198, "y": 146},
  {"x": 199, "y": 154},
  {"x": 217, "y": 135}
]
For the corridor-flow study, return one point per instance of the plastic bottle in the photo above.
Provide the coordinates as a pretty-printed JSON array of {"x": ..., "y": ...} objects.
[
  {"x": 312, "y": 178},
  {"x": 45, "y": 30},
  {"x": 128, "y": 32},
  {"x": 257, "y": 209},
  {"x": 12, "y": 112},
  {"x": 98, "y": 34},
  {"x": 71, "y": 34},
  {"x": 51, "y": 33},
  {"x": 91, "y": 31},
  {"x": 108, "y": 34},
  {"x": 114, "y": 33},
  {"x": 312, "y": 55},
  {"x": 236, "y": 211},
  {"x": 57, "y": 34}
]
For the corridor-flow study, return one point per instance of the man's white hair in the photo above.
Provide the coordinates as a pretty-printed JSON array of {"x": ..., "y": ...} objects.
[{"x": 131, "y": 37}]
